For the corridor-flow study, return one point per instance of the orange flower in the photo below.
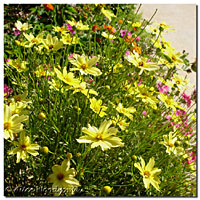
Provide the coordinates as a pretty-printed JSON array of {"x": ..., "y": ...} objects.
[
  {"x": 120, "y": 21},
  {"x": 109, "y": 28},
  {"x": 48, "y": 6},
  {"x": 129, "y": 39}
]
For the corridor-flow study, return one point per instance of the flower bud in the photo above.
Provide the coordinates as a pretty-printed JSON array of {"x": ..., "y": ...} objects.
[
  {"x": 134, "y": 157},
  {"x": 78, "y": 154},
  {"x": 107, "y": 189},
  {"x": 69, "y": 156},
  {"x": 45, "y": 149},
  {"x": 41, "y": 116}
]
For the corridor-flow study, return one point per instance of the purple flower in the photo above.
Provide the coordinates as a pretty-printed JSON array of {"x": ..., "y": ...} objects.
[
  {"x": 16, "y": 32},
  {"x": 127, "y": 52},
  {"x": 123, "y": 32},
  {"x": 7, "y": 90},
  {"x": 69, "y": 27}
]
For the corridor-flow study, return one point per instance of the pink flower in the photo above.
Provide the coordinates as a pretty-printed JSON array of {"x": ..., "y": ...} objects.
[
  {"x": 127, "y": 52},
  {"x": 69, "y": 27},
  {"x": 140, "y": 83},
  {"x": 8, "y": 90},
  {"x": 123, "y": 32},
  {"x": 16, "y": 32},
  {"x": 7, "y": 60},
  {"x": 144, "y": 113},
  {"x": 70, "y": 56},
  {"x": 168, "y": 117},
  {"x": 129, "y": 34},
  {"x": 138, "y": 38}
]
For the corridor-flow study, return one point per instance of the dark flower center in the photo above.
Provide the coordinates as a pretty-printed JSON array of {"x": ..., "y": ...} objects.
[{"x": 60, "y": 176}]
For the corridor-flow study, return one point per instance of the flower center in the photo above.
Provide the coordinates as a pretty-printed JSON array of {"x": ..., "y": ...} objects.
[
  {"x": 99, "y": 136},
  {"x": 18, "y": 98},
  {"x": 23, "y": 147},
  {"x": 83, "y": 66},
  {"x": 147, "y": 174},
  {"x": 171, "y": 145},
  {"x": 34, "y": 40},
  {"x": 7, "y": 125},
  {"x": 60, "y": 176},
  {"x": 141, "y": 63},
  {"x": 173, "y": 58},
  {"x": 51, "y": 47}
]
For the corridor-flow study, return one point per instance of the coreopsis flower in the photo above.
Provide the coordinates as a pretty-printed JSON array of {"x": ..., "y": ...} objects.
[
  {"x": 174, "y": 56},
  {"x": 48, "y": 6},
  {"x": 126, "y": 111},
  {"x": 79, "y": 25},
  {"x": 169, "y": 142},
  {"x": 82, "y": 88},
  {"x": 141, "y": 62},
  {"x": 52, "y": 43},
  {"x": 12, "y": 123},
  {"x": 136, "y": 24},
  {"x": 22, "y": 27},
  {"x": 21, "y": 98},
  {"x": 163, "y": 26},
  {"x": 107, "y": 13},
  {"x": 17, "y": 108},
  {"x": 19, "y": 65},
  {"x": 179, "y": 81},
  {"x": 63, "y": 178},
  {"x": 33, "y": 40},
  {"x": 67, "y": 78},
  {"x": 24, "y": 147},
  {"x": 103, "y": 137},
  {"x": 67, "y": 39},
  {"x": 84, "y": 65},
  {"x": 121, "y": 122},
  {"x": 169, "y": 101},
  {"x": 150, "y": 174},
  {"x": 108, "y": 36},
  {"x": 96, "y": 106},
  {"x": 60, "y": 30}
]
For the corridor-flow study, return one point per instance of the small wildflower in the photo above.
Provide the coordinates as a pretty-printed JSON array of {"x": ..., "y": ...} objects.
[{"x": 107, "y": 189}]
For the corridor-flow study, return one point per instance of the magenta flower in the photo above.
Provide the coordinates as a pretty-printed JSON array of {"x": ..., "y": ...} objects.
[
  {"x": 168, "y": 117},
  {"x": 144, "y": 113},
  {"x": 8, "y": 90},
  {"x": 69, "y": 27},
  {"x": 127, "y": 52},
  {"x": 16, "y": 32},
  {"x": 138, "y": 38},
  {"x": 123, "y": 32}
]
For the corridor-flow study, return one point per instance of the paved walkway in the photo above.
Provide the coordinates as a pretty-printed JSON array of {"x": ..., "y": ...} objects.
[{"x": 183, "y": 19}]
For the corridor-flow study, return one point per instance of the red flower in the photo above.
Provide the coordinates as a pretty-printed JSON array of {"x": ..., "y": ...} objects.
[
  {"x": 94, "y": 27},
  {"x": 48, "y": 6}
]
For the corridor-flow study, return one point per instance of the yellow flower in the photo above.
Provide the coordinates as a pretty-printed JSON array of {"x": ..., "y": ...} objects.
[
  {"x": 179, "y": 81},
  {"x": 82, "y": 88},
  {"x": 44, "y": 71},
  {"x": 67, "y": 39},
  {"x": 108, "y": 36},
  {"x": 175, "y": 57},
  {"x": 96, "y": 106},
  {"x": 126, "y": 111},
  {"x": 24, "y": 147},
  {"x": 149, "y": 173},
  {"x": 146, "y": 95},
  {"x": 169, "y": 142},
  {"x": 42, "y": 115},
  {"x": 63, "y": 178},
  {"x": 141, "y": 62},
  {"x": 19, "y": 65},
  {"x": 22, "y": 27},
  {"x": 12, "y": 123},
  {"x": 60, "y": 30},
  {"x": 168, "y": 101},
  {"x": 163, "y": 26},
  {"x": 17, "y": 107},
  {"x": 79, "y": 25},
  {"x": 84, "y": 65},
  {"x": 21, "y": 98},
  {"x": 107, "y": 13},
  {"x": 52, "y": 43},
  {"x": 67, "y": 78},
  {"x": 103, "y": 137},
  {"x": 58, "y": 86},
  {"x": 33, "y": 40},
  {"x": 136, "y": 24},
  {"x": 120, "y": 122}
]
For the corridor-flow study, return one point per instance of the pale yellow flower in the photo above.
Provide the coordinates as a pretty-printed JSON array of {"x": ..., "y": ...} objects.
[
  {"x": 149, "y": 173},
  {"x": 103, "y": 137},
  {"x": 22, "y": 27},
  {"x": 84, "y": 65},
  {"x": 108, "y": 36},
  {"x": 63, "y": 178},
  {"x": 126, "y": 111},
  {"x": 107, "y": 13},
  {"x": 79, "y": 25},
  {"x": 24, "y": 147},
  {"x": 96, "y": 106}
]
